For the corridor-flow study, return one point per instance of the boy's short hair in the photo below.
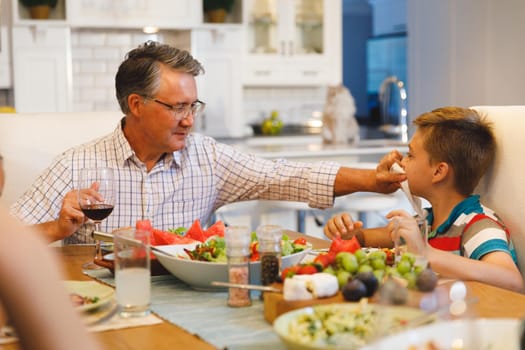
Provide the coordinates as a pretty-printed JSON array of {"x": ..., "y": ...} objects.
[{"x": 462, "y": 138}]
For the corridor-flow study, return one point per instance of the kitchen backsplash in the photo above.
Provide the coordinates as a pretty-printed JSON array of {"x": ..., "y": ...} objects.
[
  {"x": 96, "y": 55},
  {"x": 295, "y": 105}
]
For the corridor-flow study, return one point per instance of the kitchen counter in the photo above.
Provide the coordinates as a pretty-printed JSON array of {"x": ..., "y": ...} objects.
[{"x": 312, "y": 147}]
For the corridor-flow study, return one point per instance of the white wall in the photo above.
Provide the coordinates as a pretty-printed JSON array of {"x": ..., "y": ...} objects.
[
  {"x": 467, "y": 52},
  {"x": 506, "y": 52}
]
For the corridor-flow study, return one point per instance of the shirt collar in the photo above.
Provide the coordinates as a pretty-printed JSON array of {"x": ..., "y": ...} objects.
[
  {"x": 125, "y": 153},
  {"x": 123, "y": 150},
  {"x": 468, "y": 205}
]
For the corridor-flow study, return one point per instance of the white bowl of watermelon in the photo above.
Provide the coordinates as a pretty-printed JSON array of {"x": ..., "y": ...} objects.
[{"x": 199, "y": 274}]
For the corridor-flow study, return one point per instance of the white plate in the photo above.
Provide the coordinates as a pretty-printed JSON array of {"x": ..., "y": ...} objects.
[
  {"x": 102, "y": 313},
  {"x": 200, "y": 274},
  {"x": 389, "y": 316},
  {"x": 481, "y": 333},
  {"x": 90, "y": 289}
]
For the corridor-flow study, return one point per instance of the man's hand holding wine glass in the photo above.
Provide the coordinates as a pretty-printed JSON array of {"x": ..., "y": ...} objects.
[
  {"x": 71, "y": 216},
  {"x": 96, "y": 198}
]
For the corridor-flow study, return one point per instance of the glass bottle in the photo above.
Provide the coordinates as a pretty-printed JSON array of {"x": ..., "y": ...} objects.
[
  {"x": 269, "y": 237},
  {"x": 238, "y": 252}
]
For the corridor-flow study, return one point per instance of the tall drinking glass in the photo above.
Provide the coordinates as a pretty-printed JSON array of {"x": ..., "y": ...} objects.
[
  {"x": 132, "y": 272},
  {"x": 96, "y": 197}
]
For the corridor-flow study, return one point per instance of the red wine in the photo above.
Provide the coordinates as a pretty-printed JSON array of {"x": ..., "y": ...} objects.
[{"x": 97, "y": 212}]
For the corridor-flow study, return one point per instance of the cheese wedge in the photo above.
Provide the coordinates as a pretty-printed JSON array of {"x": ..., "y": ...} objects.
[{"x": 306, "y": 287}]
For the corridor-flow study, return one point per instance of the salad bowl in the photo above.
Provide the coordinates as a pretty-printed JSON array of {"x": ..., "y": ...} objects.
[
  {"x": 200, "y": 274},
  {"x": 339, "y": 326}
]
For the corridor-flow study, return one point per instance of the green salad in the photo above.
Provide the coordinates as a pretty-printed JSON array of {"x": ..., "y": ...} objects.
[{"x": 214, "y": 249}]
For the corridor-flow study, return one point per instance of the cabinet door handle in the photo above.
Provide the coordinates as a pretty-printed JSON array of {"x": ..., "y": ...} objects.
[
  {"x": 262, "y": 73},
  {"x": 283, "y": 48},
  {"x": 291, "y": 50}
]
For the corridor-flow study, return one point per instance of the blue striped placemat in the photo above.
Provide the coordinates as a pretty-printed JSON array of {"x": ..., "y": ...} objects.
[{"x": 206, "y": 314}]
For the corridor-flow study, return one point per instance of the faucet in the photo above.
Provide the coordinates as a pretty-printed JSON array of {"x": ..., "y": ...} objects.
[{"x": 393, "y": 108}]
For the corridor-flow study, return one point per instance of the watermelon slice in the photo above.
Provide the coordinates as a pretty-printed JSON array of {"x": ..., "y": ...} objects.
[
  {"x": 144, "y": 225},
  {"x": 168, "y": 238},
  {"x": 159, "y": 237},
  {"x": 217, "y": 229},
  {"x": 196, "y": 232}
]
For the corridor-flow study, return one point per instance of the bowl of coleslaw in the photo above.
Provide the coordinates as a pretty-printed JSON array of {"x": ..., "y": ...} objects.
[{"x": 340, "y": 326}]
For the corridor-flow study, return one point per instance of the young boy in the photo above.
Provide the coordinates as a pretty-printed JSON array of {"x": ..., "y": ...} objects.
[{"x": 448, "y": 154}]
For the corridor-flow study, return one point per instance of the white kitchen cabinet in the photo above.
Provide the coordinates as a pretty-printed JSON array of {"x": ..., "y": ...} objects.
[
  {"x": 42, "y": 68},
  {"x": 21, "y": 15},
  {"x": 5, "y": 60},
  {"x": 5, "y": 55},
  {"x": 292, "y": 42},
  {"x": 164, "y": 14},
  {"x": 134, "y": 13},
  {"x": 218, "y": 49}
]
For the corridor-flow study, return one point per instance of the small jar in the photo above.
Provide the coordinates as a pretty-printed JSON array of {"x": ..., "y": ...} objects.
[
  {"x": 269, "y": 237},
  {"x": 238, "y": 252}
]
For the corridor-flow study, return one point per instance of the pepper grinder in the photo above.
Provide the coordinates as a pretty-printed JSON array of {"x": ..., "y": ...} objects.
[
  {"x": 238, "y": 252},
  {"x": 269, "y": 237}
]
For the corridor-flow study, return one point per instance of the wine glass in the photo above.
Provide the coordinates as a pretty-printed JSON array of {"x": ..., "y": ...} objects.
[{"x": 96, "y": 207}]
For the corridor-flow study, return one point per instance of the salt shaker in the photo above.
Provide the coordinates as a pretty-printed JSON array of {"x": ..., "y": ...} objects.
[
  {"x": 238, "y": 252},
  {"x": 269, "y": 237}
]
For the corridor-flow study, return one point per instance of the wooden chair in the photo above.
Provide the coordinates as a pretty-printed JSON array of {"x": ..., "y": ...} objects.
[{"x": 503, "y": 186}]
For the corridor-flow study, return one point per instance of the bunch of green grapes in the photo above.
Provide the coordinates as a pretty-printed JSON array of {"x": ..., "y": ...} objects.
[{"x": 348, "y": 265}]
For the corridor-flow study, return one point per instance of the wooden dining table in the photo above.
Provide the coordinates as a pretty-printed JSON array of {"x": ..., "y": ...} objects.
[{"x": 491, "y": 302}]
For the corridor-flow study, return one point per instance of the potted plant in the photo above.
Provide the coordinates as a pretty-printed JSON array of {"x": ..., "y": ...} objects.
[
  {"x": 39, "y": 9},
  {"x": 216, "y": 10}
]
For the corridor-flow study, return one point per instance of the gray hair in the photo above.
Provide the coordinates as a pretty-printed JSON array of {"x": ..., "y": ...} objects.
[{"x": 139, "y": 73}]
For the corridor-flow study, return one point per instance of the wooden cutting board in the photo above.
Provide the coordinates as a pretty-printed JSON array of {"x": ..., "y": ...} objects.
[{"x": 275, "y": 305}]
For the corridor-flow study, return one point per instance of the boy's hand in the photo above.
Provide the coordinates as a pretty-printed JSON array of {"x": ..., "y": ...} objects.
[
  {"x": 405, "y": 225},
  {"x": 341, "y": 226}
]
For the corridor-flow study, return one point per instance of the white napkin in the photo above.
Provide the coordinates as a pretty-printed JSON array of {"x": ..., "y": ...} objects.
[
  {"x": 117, "y": 322},
  {"x": 414, "y": 200},
  {"x": 7, "y": 334}
]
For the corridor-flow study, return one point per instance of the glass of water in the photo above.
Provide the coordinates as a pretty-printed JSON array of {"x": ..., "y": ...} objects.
[{"x": 132, "y": 272}]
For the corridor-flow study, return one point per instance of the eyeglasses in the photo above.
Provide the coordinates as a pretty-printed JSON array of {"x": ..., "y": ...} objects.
[{"x": 183, "y": 110}]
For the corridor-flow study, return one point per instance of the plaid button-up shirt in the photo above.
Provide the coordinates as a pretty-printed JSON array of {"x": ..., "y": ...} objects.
[{"x": 183, "y": 186}]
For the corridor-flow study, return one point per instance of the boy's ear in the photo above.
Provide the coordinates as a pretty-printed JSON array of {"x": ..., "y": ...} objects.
[{"x": 441, "y": 171}]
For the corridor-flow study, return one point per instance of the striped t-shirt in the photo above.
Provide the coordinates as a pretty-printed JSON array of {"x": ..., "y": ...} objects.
[{"x": 471, "y": 230}]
